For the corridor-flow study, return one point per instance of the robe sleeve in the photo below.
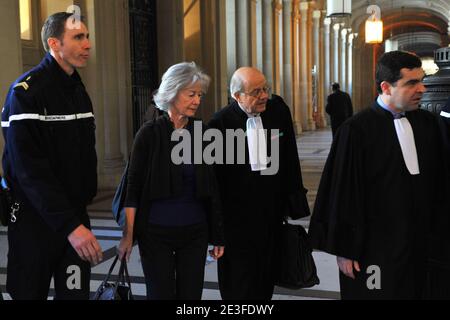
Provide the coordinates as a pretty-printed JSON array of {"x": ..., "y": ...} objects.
[
  {"x": 337, "y": 223},
  {"x": 296, "y": 201}
]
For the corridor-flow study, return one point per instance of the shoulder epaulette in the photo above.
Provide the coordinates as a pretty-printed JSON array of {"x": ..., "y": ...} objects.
[{"x": 23, "y": 84}]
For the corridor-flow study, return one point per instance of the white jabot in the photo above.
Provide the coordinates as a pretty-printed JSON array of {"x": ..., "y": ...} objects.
[
  {"x": 257, "y": 145},
  {"x": 405, "y": 136}
]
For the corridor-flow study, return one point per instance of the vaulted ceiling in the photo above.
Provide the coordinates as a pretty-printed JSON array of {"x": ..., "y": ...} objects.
[{"x": 403, "y": 18}]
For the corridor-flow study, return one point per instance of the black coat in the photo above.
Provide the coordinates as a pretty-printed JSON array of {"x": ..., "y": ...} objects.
[
  {"x": 339, "y": 107},
  {"x": 369, "y": 208},
  {"x": 255, "y": 204},
  {"x": 152, "y": 175}
]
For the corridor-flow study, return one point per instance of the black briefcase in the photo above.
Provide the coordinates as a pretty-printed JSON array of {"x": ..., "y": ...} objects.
[{"x": 297, "y": 268}]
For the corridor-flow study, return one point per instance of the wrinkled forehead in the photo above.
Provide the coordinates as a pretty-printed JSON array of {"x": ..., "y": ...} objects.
[{"x": 256, "y": 80}]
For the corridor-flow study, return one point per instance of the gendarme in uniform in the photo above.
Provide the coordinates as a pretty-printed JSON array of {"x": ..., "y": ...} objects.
[{"x": 50, "y": 163}]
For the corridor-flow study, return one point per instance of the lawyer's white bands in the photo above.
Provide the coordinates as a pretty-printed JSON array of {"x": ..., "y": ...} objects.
[
  {"x": 445, "y": 114},
  {"x": 33, "y": 116}
]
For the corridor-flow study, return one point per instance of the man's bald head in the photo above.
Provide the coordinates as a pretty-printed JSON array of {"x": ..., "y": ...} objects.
[
  {"x": 249, "y": 88},
  {"x": 242, "y": 77}
]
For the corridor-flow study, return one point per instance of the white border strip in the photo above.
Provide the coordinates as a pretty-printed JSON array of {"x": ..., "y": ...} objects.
[
  {"x": 34, "y": 116},
  {"x": 445, "y": 114}
]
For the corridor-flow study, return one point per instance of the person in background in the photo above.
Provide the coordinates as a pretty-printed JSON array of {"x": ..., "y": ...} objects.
[{"x": 339, "y": 107}]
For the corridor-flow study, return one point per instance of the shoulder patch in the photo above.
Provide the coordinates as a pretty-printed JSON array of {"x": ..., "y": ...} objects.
[
  {"x": 23, "y": 85},
  {"x": 26, "y": 81}
]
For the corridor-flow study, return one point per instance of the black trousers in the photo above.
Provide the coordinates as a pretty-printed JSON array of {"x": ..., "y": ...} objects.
[
  {"x": 248, "y": 267},
  {"x": 246, "y": 275},
  {"x": 36, "y": 254},
  {"x": 173, "y": 260}
]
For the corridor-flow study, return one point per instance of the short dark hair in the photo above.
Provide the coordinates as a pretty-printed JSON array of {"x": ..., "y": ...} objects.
[
  {"x": 390, "y": 64},
  {"x": 335, "y": 86},
  {"x": 55, "y": 26}
]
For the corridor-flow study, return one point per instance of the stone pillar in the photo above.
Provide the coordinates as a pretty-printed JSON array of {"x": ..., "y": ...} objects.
[
  {"x": 350, "y": 64},
  {"x": 213, "y": 42},
  {"x": 327, "y": 60},
  {"x": 231, "y": 39},
  {"x": 243, "y": 34},
  {"x": 257, "y": 8},
  {"x": 287, "y": 54},
  {"x": 336, "y": 28},
  {"x": 297, "y": 63},
  {"x": 170, "y": 33},
  {"x": 10, "y": 50},
  {"x": 267, "y": 41},
  {"x": 343, "y": 74},
  {"x": 317, "y": 106},
  {"x": 278, "y": 57},
  {"x": 107, "y": 80},
  {"x": 305, "y": 69}
]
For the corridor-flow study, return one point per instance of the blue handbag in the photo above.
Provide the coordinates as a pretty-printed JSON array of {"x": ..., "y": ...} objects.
[{"x": 118, "y": 209}]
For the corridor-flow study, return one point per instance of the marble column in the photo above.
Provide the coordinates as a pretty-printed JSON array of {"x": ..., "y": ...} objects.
[
  {"x": 267, "y": 41},
  {"x": 11, "y": 48},
  {"x": 287, "y": 54},
  {"x": 336, "y": 28}
]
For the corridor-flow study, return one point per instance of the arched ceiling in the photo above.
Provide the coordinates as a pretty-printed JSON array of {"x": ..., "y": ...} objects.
[
  {"x": 401, "y": 17},
  {"x": 438, "y": 8}
]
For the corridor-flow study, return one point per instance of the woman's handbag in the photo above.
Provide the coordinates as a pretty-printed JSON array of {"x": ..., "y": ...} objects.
[
  {"x": 118, "y": 290},
  {"x": 297, "y": 268}
]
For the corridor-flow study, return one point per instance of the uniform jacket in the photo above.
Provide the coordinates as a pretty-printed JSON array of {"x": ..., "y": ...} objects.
[{"x": 49, "y": 158}]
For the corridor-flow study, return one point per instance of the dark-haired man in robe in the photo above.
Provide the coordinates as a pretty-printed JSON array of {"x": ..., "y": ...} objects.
[{"x": 379, "y": 191}]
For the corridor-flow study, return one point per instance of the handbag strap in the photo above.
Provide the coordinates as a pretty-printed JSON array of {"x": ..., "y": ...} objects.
[
  {"x": 124, "y": 276},
  {"x": 111, "y": 269}
]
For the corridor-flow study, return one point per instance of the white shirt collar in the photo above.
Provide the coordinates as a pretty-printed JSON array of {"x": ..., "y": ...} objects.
[{"x": 250, "y": 115}]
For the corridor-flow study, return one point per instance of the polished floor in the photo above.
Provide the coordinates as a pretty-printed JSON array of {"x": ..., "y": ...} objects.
[{"x": 313, "y": 149}]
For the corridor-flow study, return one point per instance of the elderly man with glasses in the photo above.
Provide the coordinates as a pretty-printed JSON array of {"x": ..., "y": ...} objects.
[{"x": 256, "y": 199}]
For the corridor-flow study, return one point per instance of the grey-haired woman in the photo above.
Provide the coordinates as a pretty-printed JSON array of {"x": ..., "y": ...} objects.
[{"x": 172, "y": 210}]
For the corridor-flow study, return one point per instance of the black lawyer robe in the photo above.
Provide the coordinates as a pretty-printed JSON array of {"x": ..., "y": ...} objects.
[
  {"x": 254, "y": 205},
  {"x": 369, "y": 208},
  {"x": 439, "y": 262}
]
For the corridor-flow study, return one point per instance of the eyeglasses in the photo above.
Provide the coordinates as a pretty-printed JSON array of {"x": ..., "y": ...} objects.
[{"x": 256, "y": 93}]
